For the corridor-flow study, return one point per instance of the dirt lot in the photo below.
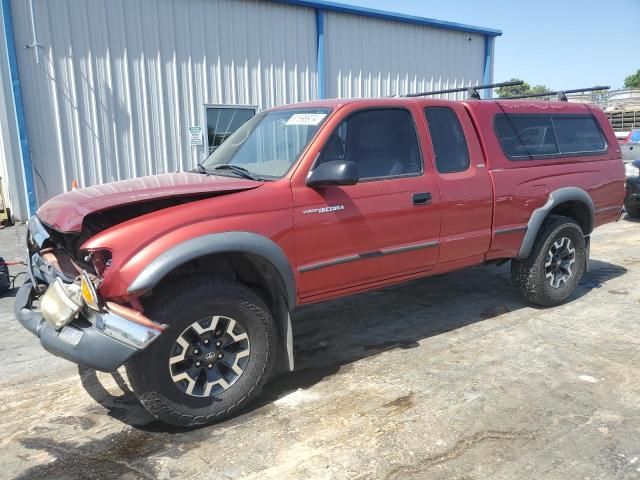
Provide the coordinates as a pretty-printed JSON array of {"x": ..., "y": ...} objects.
[{"x": 447, "y": 377}]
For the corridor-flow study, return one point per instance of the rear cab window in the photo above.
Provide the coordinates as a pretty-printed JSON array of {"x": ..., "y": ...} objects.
[
  {"x": 535, "y": 136},
  {"x": 447, "y": 136}
]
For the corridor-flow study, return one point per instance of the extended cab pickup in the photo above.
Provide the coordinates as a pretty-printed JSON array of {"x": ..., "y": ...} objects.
[{"x": 189, "y": 279}]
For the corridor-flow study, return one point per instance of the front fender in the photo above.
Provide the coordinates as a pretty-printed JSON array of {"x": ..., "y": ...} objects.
[{"x": 225, "y": 242}]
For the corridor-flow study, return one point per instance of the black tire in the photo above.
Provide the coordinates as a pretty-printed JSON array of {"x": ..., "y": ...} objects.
[
  {"x": 530, "y": 275},
  {"x": 5, "y": 279},
  {"x": 178, "y": 306},
  {"x": 632, "y": 208}
]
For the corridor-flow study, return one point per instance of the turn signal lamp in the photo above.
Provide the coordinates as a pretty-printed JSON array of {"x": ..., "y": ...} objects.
[{"x": 88, "y": 292}]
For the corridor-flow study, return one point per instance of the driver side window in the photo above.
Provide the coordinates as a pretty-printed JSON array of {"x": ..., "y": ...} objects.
[{"x": 382, "y": 142}]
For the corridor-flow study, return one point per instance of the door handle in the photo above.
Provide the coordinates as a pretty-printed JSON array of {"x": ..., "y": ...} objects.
[{"x": 423, "y": 198}]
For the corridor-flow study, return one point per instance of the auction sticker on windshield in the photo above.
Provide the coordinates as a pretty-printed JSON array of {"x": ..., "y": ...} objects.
[{"x": 306, "y": 118}]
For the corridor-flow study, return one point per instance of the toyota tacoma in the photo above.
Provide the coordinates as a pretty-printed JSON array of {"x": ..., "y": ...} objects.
[{"x": 190, "y": 279}]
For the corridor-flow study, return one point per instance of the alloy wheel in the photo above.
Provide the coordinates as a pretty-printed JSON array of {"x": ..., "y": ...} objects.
[
  {"x": 559, "y": 265},
  {"x": 209, "y": 356}
]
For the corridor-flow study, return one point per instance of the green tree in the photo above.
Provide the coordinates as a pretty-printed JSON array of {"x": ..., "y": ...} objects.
[
  {"x": 513, "y": 90},
  {"x": 632, "y": 81},
  {"x": 539, "y": 89},
  {"x": 524, "y": 89}
]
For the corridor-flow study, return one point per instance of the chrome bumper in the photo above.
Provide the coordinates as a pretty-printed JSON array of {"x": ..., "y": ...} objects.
[{"x": 98, "y": 340}]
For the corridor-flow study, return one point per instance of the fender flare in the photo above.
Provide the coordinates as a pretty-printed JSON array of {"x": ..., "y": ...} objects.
[
  {"x": 225, "y": 242},
  {"x": 557, "y": 197}
]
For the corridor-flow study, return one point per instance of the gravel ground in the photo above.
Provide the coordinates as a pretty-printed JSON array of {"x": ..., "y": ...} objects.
[{"x": 448, "y": 377}]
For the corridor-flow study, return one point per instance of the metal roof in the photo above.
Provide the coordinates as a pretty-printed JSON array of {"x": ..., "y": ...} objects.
[{"x": 385, "y": 15}]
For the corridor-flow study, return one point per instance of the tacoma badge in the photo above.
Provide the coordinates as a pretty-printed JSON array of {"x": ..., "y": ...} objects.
[{"x": 331, "y": 208}]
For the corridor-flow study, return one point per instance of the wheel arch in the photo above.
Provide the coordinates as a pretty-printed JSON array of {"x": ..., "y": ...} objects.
[
  {"x": 572, "y": 202},
  {"x": 266, "y": 255}
]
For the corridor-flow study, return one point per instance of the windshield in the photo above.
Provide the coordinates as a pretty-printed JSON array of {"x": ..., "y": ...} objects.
[{"x": 268, "y": 144}]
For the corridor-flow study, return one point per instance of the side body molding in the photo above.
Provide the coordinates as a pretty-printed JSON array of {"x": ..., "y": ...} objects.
[
  {"x": 226, "y": 242},
  {"x": 557, "y": 197}
]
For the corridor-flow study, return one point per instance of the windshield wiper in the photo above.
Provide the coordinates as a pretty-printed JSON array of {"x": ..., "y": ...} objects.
[
  {"x": 202, "y": 169},
  {"x": 243, "y": 172}
]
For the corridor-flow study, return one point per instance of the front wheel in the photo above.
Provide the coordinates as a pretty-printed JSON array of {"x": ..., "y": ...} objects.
[
  {"x": 213, "y": 358},
  {"x": 555, "y": 265}
]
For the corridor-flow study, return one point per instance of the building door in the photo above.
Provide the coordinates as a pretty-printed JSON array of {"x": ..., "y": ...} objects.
[
  {"x": 385, "y": 226},
  {"x": 223, "y": 120}
]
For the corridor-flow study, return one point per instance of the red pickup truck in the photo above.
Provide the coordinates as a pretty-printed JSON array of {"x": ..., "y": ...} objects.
[{"x": 189, "y": 279}]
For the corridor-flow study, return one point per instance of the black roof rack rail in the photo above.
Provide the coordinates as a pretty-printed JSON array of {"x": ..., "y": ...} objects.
[
  {"x": 562, "y": 94},
  {"x": 472, "y": 90}
]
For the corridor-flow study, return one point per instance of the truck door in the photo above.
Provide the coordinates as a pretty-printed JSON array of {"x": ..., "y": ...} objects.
[
  {"x": 465, "y": 185},
  {"x": 387, "y": 225}
]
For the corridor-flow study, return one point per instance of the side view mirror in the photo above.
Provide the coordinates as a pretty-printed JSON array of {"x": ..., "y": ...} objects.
[{"x": 337, "y": 172}]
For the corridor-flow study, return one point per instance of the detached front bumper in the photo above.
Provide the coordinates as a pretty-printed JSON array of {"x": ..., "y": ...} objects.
[{"x": 98, "y": 340}]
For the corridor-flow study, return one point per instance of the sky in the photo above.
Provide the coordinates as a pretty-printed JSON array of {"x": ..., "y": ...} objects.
[{"x": 562, "y": 44}]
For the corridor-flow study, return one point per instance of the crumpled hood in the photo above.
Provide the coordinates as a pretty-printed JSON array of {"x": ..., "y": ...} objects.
[{"x": 65, "y": 212}]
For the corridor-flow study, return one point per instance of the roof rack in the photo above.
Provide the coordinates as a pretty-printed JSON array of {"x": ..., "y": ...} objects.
[
  {"x": 472, "y": 91},
  {"x": 562, "y": 94}
]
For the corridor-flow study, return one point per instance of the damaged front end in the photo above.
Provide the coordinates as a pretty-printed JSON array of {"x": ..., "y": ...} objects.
[{"x": 60, "y": 304}]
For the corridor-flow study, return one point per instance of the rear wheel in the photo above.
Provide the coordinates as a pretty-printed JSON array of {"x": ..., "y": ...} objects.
[
  {"x": 213, "y": 358},
  {"x": 555, "y": 265}
]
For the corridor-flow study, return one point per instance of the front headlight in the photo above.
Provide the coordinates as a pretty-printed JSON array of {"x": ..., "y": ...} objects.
[
  {"x": 631, "y": 170},
  {"x": 60, "y": 303}
]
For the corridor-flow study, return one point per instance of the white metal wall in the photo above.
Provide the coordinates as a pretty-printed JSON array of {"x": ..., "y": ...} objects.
[
  {"x": 119, "y": 81},
  {"x": 10, "y": 160},
  {"x": 368, "y": 57}
]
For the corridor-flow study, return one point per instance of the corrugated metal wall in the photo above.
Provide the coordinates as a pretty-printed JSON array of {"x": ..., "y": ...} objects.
[
  {"x": 6, "y": 113},
  {"x": 368, "y": 57},
  {"x": 10, "y": 161},
  {"x": 120, "y": 81}
]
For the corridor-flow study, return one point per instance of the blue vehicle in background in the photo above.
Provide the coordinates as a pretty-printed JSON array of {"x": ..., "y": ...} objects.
[
  {"x": 634, "y": 136},
  {"x": 631, "y": 146}
]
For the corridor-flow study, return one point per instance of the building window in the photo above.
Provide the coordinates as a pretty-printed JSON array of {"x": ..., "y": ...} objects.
[
  {"x": 223, "y": 120},
  {"x": 449, "y": 143}
]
